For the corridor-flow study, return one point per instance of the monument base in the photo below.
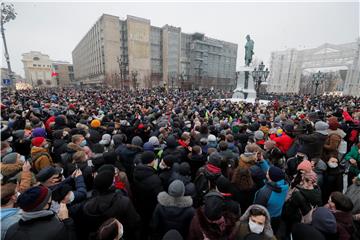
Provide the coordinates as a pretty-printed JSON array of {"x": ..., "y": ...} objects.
[{"x": 245, "y": 84}]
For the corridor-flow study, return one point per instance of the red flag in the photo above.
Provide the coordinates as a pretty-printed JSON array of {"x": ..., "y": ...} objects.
[{"x": 54, "y": 74}]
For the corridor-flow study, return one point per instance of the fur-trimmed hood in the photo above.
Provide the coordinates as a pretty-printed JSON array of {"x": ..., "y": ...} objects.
[
  {"x": 166, "y": 200},
  {"x": 267, "y": 229},
  {"x": 11, "y": 168},
  {"x": 74, "y": 147}
]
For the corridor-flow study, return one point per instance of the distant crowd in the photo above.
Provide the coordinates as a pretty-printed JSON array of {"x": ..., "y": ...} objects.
[{"x": 154, "y": 164}]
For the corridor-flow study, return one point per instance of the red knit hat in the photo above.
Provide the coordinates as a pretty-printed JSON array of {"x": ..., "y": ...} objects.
[{"x": 37, "y": 141}]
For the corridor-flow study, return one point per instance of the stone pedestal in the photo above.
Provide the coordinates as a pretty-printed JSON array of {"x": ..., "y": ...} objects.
[{"x": 245, "y": 84}]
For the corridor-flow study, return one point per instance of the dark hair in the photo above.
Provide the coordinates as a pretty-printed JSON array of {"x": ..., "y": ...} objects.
[
  {"x": 7, "y": 191},
  {"x": 342, "y": 202},
  {"x": 257, "y": 212},
  {"x": 196, "y": 149},
  {"x": 242, "y": 179},
  {"x": 108, "y": 230},
  {"x": 223, "y": 145}
]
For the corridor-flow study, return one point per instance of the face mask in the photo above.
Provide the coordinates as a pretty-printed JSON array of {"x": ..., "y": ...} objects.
[
  {"x": 255, "y": 228},
  {"x": 9, "y": 150},
  {"x": 22, "y": 158},
  {"x": 332, "y": 165},
  {"x": 83, "y": 143}
]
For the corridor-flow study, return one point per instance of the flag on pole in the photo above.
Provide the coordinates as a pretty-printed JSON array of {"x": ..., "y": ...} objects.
[{"x": 53, "y": 72}]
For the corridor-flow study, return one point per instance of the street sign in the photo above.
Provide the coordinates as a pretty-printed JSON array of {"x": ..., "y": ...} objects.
[{"x": 6, "y": 81}]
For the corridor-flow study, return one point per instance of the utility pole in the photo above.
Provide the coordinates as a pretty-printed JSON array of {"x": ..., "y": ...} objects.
[{"x": 7, "y": 13}]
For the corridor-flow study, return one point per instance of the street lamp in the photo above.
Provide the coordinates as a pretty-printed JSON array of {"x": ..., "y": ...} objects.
[
  {"x": 260, "y": 75},
  {"x": 318, "y": 79},
  {"x": 7, "y": 13},
  {"x": 134, "y": 78}
]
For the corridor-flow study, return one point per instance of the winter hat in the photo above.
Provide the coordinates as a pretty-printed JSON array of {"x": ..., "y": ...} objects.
[
  {"x": 184, "y": 169},
  {"x": 106, "y": 167},
  {"x": 59, "y": 193},
  {"x": 176, "y": 189},
  {"x": 37, "y": 141},
  {"x": 148, "y": 147},
  {"x": 276, "y": 174},
  {"x": 137, "y": 141},
  {"x": 172, "y": 235},
  {"x": 169, "y": 160},
  {"x": 147, "y": 157},
  {"x": 289, "y": 127},
  {"x": 333, "y": 123},
  {"x": 95, "y": 123},
  {"x": 213, "y": 206},
  {"x": 259, "y": 135},
  {"x": 323, "y": 220},
  {"x": 310, "y": 175},
  {"x": 47, "y": 173},
  {"x": 38, "y": 132},
  {"x": 301, "y": 231},
  {"x": 105, "y": 140},
  {"x": 211, "y": 138},
  {"x": 10, "y": 158},
  {"x": 34, "y": 199},
  {"x": 19, "y": 134},
  {"x": 104, "y": 180},
  {"x": 154, "y": 141},
  {"x": 305, "y": 165},
  {"x": 215, "y": 159},
  {"x": 321, "y": 127}
]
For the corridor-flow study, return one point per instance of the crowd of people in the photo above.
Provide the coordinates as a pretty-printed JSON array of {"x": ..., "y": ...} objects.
[{"x": 154, "y": 164}]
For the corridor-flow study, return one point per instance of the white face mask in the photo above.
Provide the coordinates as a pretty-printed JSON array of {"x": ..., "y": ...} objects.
[
  {"x": 255, "y": 228},
  {"x": 333, "y": 165},
  {"x": 22, "y": 158}
]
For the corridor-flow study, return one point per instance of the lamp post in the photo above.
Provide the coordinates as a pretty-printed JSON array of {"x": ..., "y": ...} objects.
[
  {"x": 259, "y": 75},
  {"x": 134, "y": 78},
  {"x": 318, "y": 79},
  {"x": 7, "y": 13}
]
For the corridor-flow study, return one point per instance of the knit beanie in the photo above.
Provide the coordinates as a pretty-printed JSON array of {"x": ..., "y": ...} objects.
[
  {"x": 215, "y": 159},
  {"x": 38, "y": 132},
  {"x": 323, "y": 220},
  {"x": 147, "y": 157},
  {"x": 259, "y": 135},
  {"x": 9, "y": 158},
  {"x": 95, "y": 123},
  {"x": 321, "y": 127},
  {"x": 34, "y": 199},
  {"x": 137, "y": 141},
  {"x": 301, "y": 231},
  {"x": 148, "y": 147},
  {"x": 305, "y": 165},
  {"x": 154, "y": 141},
  {"x": 37, "y": 141},
  {"x": 176, "y": 189},
  {"x": 104, "y": 180},
  {"x": 276, "y": 174},
  {"x": 213, "y": 206}
]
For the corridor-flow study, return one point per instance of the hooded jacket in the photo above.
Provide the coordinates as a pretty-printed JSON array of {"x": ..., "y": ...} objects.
[
  {"x": 172, "y": 213},
  {"x": 106, "y": 205},
  {"x": 272, "y": 196},
  {"x": 242, "y": 230},
  {"x": 9, "y": 216},
  {"x": 40, "y": 158},
  {"x": 354, "y": 154}
]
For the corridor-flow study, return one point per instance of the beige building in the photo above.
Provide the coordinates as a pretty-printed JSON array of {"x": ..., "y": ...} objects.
[
  {"x": 132, "y": 54},
  {"x": 64, "y": 73},
  {"x": 37, "y": 67}
]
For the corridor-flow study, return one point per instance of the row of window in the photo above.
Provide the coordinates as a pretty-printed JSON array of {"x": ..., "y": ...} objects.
[{"x": 39, "y": 65}]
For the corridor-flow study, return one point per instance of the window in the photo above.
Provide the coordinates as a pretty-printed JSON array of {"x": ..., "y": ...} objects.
[
  {"x": 70, "y": 68},
  {"x": 34, "y": 65},
  {"x": 36, "y": 59}
]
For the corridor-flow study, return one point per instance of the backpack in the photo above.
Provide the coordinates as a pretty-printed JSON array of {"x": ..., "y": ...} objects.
[{"x": 35, "y": 158}]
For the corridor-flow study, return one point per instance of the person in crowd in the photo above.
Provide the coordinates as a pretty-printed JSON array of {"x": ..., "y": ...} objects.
[
  {"x": 254, "y": 224},
  {"x": 173, "y": 211},
  {"x": 341, "y": 206},
  {"x": 9, "y": 213},
  {"x": 282, "y": 138},
  {"x": 273, "y": 194},
  {"x": 324, "y": 221},
  {"x": 353, "y": 157},
  {"x": 333, "y": 178},
  {"x": 166, "y": 170},
  {"x": 110, "y": 229},
  {"x": 244, "y": 187},
  {"x": 40, "y": 156},
  {"x": 37, "y": 221},
  {"x": 196, "y": 160}
]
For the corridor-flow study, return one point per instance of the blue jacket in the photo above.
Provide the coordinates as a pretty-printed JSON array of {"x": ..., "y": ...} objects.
[
  {"x": 272, "y": 196},
  {"x": 264, "y": 165},
  {"x": 8, "y": 216}
]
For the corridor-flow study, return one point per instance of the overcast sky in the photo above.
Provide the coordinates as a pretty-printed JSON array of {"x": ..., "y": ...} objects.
[{"x": 56, "y": 28}]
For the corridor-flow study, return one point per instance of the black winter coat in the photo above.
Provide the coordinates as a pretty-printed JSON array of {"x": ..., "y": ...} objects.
[
  {"x": 312, "y": 144},
  {"x": 104, "y": 206},
  {"x": 59, "y": 147},
  {"x": 172, "y": 213},
  {"x": 146, "y": 186},
  {"x": 42, "y": 228}
]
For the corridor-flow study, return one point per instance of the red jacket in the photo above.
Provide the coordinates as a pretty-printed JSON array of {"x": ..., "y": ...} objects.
[{"x": 283, "y": 142}]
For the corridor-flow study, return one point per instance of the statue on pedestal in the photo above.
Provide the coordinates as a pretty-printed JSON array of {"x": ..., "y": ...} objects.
[{"x": 249, "y": 50}]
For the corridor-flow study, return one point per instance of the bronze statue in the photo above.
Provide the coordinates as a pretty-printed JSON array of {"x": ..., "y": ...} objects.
[{"x": 249, "y": 47}]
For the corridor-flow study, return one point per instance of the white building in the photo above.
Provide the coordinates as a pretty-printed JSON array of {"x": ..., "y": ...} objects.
[
  {"x": 38, "y": 69},
  {"x": 287, "y": 66}
]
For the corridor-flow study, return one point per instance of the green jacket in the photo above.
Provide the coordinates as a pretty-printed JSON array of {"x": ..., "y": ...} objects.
[{"x": 354, "y": 153}]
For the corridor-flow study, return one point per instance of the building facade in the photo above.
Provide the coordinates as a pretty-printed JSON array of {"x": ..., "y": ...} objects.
[
  {"x": 63, "y": 72},
  {"x": 38, "y": 69},
  {"x": 133, "y": 54},
  {"x": 287, "y": 66}
]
